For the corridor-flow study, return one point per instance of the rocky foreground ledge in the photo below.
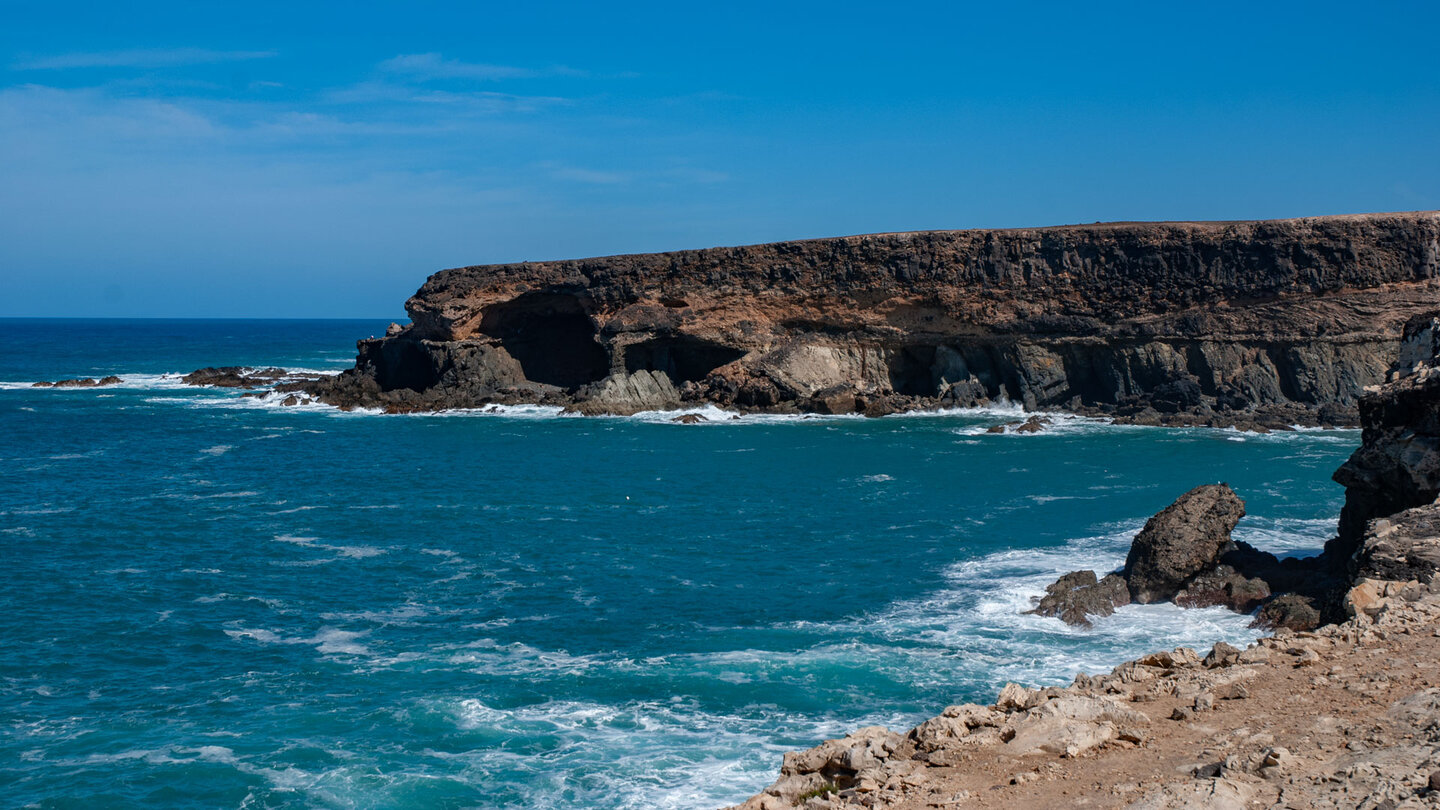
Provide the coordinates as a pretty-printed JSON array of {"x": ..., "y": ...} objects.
[
  {"x": 1346, "y": 715},
  {"x": 1263, "y": 324}
]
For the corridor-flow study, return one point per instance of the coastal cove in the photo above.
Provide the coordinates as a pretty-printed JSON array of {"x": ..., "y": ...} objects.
[{"x": 525, "y": 609}]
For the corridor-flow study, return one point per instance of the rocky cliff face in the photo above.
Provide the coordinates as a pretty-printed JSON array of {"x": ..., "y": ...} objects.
[
  {"x": 1161, "y": 322},
  {"x": 1392, "y": 480}
]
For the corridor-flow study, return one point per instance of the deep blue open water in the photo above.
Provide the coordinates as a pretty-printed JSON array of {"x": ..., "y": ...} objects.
[{"x": 213, "y": 601}]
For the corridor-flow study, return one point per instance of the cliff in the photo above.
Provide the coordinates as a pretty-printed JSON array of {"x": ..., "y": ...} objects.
[{"x": 1186, "y": 322}]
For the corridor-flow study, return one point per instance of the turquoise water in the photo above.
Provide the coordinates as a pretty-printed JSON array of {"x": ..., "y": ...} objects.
[{"x": 213, "y": 601}]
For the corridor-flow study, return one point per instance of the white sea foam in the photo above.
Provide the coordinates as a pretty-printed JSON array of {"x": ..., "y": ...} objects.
[
  {"x": 681, "y": 757},
  {"x": 141, "y": 382},
  {"x": 350, "y": 552},
  {"x": 981, "y": 613},
  {"x": 327, "y": 640}
]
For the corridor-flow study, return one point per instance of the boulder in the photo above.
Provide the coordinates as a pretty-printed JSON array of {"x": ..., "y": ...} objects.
[
  {"x": 1291, "y": 611},
  {"x": 957, "y": 725},
  {"x": 1222, "y": 655},
  {"x": 836, "y": 399},
  {"x": 1078, "y": 595},
  {"x": 1180, "y": 542},
  {"x": 1071, "y": 725},
  {"x": 1223, "y": 585}
]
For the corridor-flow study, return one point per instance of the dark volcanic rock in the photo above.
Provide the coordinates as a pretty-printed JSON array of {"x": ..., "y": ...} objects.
[
  {"x": 1402, "y": 547},
  {"x": 1224, "y": 585},
  {"x": 1182, "y": 541},
  {"x": 1397, "y": 466},
  {"x": 235, "y": 377},
  {"x": 1245, "y": 323},
  {"x": 85, "y": 382},
  {"x": 1291, "y": 611},
  {"x": 1077, "y": 596}
]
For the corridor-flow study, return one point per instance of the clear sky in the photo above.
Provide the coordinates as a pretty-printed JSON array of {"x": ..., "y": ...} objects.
[{"x": 283, "y": 159}]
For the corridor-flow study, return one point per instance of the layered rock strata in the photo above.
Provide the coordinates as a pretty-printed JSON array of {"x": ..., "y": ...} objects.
[{"x": 1271, "y": 322}]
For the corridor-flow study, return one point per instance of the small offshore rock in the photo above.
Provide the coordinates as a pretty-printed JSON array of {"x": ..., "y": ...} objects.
[
  {"x": 1078, "y": 595},
  {"x": 1181, "y": 541}
]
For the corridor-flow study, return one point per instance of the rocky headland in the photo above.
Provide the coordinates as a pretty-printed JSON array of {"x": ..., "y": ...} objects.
[
  {"x": 1342, "y": 714},
  {"x": 1262, "y": 324}
]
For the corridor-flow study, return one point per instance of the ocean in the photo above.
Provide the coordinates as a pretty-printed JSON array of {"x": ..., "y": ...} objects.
[{"x": 215, "y": 601}]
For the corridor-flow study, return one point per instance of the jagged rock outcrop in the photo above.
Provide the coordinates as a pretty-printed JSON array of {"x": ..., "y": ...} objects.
[
  {"x": 1397, "y": 466},
  {"x": 1265, "y": 323},
  {"x": 1389, "y": 528},
  {"x": 236, "y": 377},
  {"x": 1185, "y": 555},
  {"x": 1180, "y": 542},
  {"x": 1402, "y": 547},
  {"x": 1078, "y": 595},
  {"x": 1355, "y": 702}
]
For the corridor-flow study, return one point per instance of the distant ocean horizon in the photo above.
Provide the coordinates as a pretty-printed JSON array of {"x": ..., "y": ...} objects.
[{"x": 214, "y": 600}]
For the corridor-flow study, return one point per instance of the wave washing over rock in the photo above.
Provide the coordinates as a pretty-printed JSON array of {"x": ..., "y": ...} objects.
[
  {"x": 1251, "y": 323},
  {"x": 1347, "y": 716}
]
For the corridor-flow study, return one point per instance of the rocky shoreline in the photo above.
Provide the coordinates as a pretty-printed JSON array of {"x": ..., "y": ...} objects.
[{"x": 1344, "y": 713}]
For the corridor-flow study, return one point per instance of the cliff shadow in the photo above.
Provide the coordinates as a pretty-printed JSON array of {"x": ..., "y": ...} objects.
[
  {"x": 550, "y": 336},
  {"x": 682, "y": 357}
]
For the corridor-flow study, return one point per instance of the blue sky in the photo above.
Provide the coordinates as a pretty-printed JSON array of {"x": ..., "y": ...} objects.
[{"x": 320, "y": 160}]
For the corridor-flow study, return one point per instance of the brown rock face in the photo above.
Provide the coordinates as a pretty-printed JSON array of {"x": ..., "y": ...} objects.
[
  {"x": 1160, "y": 322},
  {"x": 1180, "y": 542}
]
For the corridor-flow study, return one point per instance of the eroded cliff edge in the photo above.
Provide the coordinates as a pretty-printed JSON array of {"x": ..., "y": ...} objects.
[{"x": 1193, "y": 322}]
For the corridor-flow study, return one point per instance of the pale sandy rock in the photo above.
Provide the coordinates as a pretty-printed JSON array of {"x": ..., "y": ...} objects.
[{"x": 1209, "y": 794}]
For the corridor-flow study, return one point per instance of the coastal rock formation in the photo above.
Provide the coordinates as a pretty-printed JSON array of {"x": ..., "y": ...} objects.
[
  {"x": 1253, "y": 323},
  {"x": 83, "y": 382},
  {"x": 1397, "y": 466},
  {"x": 1404, "y": 546},
  {"x": 1078, "y": 595},
  {"x": 1185, "y": 555},
  {"x": 1180, "y": 542}
]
